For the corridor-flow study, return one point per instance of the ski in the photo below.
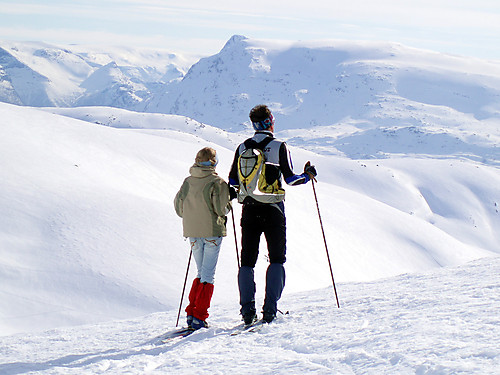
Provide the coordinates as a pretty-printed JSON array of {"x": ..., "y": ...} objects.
[
  {"x": 179, "y": 333},
  {"x": 252, "y": 327},
  {"x": 257, "y": 326}
]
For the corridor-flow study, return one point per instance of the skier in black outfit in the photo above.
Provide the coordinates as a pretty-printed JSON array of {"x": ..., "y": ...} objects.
[{"x": 265, "y": 217}]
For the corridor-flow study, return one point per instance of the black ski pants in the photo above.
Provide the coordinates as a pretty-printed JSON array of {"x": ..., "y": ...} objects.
[{"x": 258, "y": 218}]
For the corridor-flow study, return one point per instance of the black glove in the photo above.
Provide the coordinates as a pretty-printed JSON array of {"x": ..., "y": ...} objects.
[
  {"x": 232, "y": 193},
  {"x": 310, "y": 170}
]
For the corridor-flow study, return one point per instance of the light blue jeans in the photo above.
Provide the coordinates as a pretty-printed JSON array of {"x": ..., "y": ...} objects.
[{"x": 206, "y": 254}]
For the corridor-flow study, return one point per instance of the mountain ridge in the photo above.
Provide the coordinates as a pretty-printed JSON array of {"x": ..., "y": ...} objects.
[
  {"x": 306, "y": 84},
  {"x": 61, "y": 71}
]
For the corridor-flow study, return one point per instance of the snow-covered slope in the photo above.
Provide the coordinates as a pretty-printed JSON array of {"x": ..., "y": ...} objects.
[
  {"x": 19, "y": 84},
  {"x": 440, "y": 322},
  {"x": 124, "y": 119},
  {"x": 429, "y": 152},
  {"x": 89, "y": 232}
]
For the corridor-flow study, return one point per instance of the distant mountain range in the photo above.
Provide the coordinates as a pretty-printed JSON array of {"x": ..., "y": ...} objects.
[
  {"x": 363, "y": 90},
  {"x": 39, "y": 74}
]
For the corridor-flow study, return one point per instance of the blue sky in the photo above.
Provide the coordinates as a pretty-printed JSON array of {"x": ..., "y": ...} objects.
[{"x": 464, "y": 27}]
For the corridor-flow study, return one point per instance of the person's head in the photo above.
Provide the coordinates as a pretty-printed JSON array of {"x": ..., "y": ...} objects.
[
  {"x": 207, "y": 157},
  {"x": 262, "y": 118}
]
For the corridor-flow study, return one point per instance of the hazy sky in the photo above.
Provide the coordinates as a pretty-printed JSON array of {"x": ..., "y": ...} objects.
[{"x": 464, "y": 27}]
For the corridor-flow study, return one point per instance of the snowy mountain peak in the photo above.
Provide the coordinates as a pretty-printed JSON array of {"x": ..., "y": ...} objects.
[
  {"x": 234, "y": 40},
  {"x": 103, "y": 78},
  {"x": 331, "y": 83}
]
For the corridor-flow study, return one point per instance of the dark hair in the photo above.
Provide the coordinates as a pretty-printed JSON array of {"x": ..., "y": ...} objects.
[{"x": 259, "y": 113}]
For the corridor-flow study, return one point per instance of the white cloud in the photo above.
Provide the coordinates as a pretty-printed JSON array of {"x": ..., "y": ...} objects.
[
  {"x": 198, "y": 46},
  {"x": 457, "y": 24}
]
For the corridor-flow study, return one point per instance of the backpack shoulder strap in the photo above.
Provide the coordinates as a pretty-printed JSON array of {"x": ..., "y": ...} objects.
[{"x": 252, "y": 143}]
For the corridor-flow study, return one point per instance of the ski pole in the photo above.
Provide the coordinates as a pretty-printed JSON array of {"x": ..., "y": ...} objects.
[
  {"x": 183, "y": 289},
  {"x": 235, "y": 240},
  {"x": 324, "y": 239}
]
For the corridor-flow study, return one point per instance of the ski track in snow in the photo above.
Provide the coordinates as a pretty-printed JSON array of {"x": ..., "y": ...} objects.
[{"x": 444, "y": 321}]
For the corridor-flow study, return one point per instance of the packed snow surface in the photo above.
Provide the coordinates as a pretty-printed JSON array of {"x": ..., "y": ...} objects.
[{"x": 443, "y": 321}]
